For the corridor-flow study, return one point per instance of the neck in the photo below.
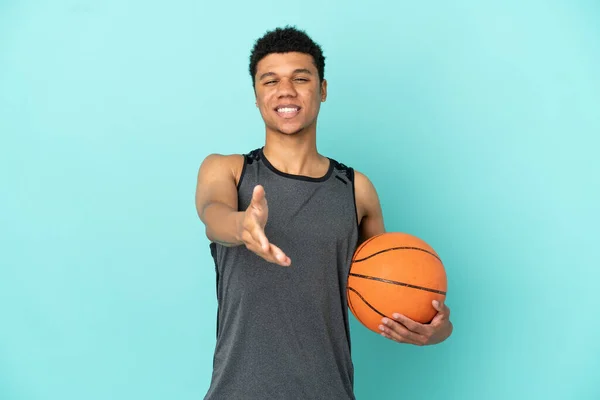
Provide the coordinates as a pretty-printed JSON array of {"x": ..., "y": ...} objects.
[{"x": 295, "y": 154}]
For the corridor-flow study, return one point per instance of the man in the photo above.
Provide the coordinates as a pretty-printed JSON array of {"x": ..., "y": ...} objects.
[{"x": 284, "y": 222}]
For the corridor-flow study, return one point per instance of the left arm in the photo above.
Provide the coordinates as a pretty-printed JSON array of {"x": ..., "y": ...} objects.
[
  {"x": 399, "y": 328},
  {"x": 370, "y": 215}
]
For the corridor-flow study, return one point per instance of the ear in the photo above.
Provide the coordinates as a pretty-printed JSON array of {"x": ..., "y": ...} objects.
[{"x": 323, "y": 90}]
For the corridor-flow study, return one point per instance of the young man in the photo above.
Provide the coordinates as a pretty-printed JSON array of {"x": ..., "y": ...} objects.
[{"x": 284, "y": 222}]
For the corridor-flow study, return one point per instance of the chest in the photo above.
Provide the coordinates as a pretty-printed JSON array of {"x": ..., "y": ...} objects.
[{"x": 312, "y": 213}]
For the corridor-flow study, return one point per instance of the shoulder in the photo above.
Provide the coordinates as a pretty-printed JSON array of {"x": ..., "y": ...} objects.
[
  {"x": 363, "y": 184},
  {"x": 220, "y": 161},
  {"x": 221, "y": 164},
  {"x": 367, "y": 199}
]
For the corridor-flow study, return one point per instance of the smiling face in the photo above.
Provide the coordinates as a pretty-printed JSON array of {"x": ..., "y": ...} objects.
[{"x": 288, "y": 92}]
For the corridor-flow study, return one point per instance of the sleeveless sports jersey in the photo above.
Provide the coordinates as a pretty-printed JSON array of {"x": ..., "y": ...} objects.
[{"x": 283, "y": 332}]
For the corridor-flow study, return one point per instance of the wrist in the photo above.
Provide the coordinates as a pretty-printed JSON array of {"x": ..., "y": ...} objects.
[{"x": 238, "y": 218}]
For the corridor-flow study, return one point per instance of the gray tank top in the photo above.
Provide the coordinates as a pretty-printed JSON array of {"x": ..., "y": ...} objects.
[{"x": 283, "y": 332}]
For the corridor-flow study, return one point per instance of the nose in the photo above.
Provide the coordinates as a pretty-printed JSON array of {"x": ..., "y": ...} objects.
[{"x": 286, "y": 88}]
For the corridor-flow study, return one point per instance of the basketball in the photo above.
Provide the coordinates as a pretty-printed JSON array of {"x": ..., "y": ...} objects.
[{"x": 391, "y": 273}]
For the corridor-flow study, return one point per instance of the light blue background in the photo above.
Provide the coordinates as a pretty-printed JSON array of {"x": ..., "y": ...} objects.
[{"x": 478, "y": 122}]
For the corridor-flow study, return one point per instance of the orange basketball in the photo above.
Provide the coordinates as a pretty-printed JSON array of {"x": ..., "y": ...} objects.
[{"x": 395, "y": 272}]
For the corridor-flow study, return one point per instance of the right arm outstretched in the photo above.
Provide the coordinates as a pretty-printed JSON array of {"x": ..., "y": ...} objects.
[{"x": 217, "y": 207}]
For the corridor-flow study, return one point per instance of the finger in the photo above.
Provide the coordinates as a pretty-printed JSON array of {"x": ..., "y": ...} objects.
[
  {"x": 265, "y": 255},
  {"x": 439, "y": 318},
  {"x": 258, "y": 234},
  {"x": 254, "y": 234},
  {"x": 399, "y": 340},
  {"x": 280, "y": 257},
  {"x": 409, "y": 324},
  {"x": 269, "y": 252},
  {"x": 258, "y": 198},
  {"x": 400, "y": 333},
  {"x": 440, "y": 306},
  {"x": 443, "y": 312},
  {"x": 273, "y": 255}
]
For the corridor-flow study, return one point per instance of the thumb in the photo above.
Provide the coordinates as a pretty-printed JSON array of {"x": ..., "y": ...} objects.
[
  {"x": 258, "y": 198},
  {"x": 441, "y": 311}
]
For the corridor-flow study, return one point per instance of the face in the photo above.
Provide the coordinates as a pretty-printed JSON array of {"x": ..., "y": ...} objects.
[{"x": 288, "y": 92}]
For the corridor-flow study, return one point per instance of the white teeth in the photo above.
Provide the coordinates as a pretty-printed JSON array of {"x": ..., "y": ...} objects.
[{"x": 287, "y": 110}]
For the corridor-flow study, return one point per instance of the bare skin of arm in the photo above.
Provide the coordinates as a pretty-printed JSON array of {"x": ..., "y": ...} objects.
[
  {"x": 368, "y": 207},
  {"x": 217, "y": 208}
]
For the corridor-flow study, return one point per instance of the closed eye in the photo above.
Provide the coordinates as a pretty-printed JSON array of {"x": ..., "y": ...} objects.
[{"x": 271, "y": 82}]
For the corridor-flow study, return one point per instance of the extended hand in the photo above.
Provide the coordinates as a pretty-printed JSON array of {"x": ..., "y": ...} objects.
[
  {"x": 404, "y": 330},
  {"x": 253, "y": 230}
]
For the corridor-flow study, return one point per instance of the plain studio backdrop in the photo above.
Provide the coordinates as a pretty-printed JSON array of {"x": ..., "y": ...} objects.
[{"x": 478, "y": 122}]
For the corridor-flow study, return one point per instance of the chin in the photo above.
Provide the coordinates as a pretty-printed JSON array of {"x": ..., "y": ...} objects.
[{"x": 290, "y": 130}]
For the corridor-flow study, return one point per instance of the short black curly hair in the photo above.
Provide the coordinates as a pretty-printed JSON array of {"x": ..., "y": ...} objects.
[{"x": 285, "y": 40}]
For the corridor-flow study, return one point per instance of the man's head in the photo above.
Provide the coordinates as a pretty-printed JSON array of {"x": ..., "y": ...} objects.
[
  {"x": 286, "y": 40},
  {"x": 287, "y": 69}
]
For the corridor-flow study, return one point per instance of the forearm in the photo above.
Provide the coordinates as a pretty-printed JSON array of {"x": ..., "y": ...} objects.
[{"x": 223, "y": 224}]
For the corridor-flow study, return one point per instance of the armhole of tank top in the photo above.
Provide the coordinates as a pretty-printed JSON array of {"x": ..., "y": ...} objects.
[
  {"x": 245, "y": 162},
  {"x": 354, "y": 198}
]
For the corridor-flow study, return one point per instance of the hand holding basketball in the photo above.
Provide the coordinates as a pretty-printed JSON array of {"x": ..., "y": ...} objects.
[
  {"x": 404, "y": 330},
  {"x": 397, "y": 287},
  {"x": 253, "y": 230}
]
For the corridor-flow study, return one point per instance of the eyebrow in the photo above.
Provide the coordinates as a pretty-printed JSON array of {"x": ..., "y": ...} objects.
[{"x": 296, "y": 71}]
